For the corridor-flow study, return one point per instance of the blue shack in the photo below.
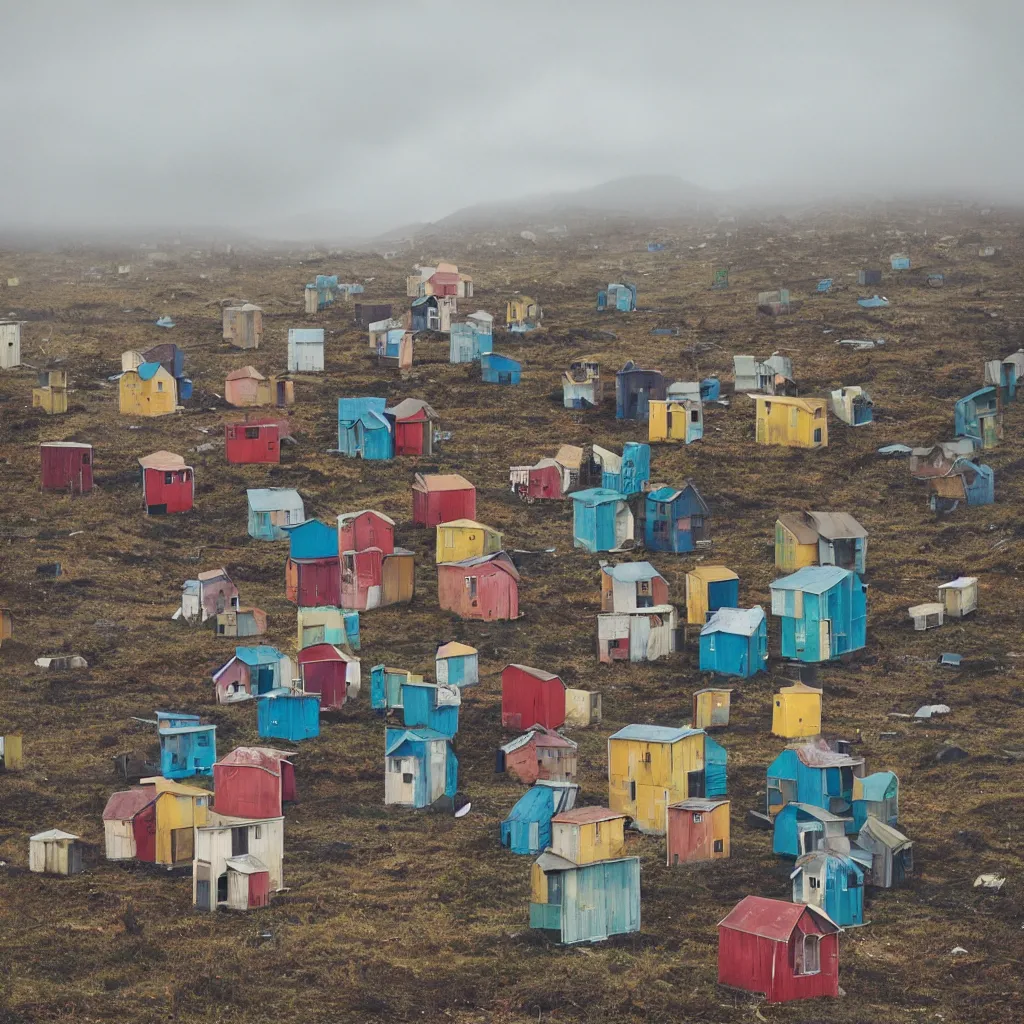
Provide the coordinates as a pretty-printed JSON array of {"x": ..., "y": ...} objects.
[
  {"x": 710, "y": 389},
  {"x": 833, "y": 882},
  {"x": 655, "y": 247},
  {"x": 601, "y": 520},
  {"x": 527, "y": 829},
  {"x": 312, "y": 539},
  {"x": 812, "y": 773},
  {"x": 899, "y": 262},
  {"x": 634, "y": 389},
  {"x": 621, "y": 297},
  {"x": 283, "y": 714},
  {"x": 186, "y": 747},
  {"x": 469, "y": 341},
  {"x": 876, "y": 796},
  {"x": 326, "y": 289},
  {"x": 734, "y": 642},
  {"x": 979, "y": 417},
  {"x": 676, "y": 520},
  {"x": 972, "y": 482},
  {"x": 497, "y": 369},
  {"x": 716, "y": 761},
  {"x": 420, "y": 768},
  {"x": 364, "y": 430},
  {"x": 271, "y": 509},
  {"x": 585, "y": 902},
  {"x": 628, "y": 473},
  {"x": 387, "y": 686},
  {"x": 824, "y": 612},
  {"x": 431, "y": 706},
  {"x": 803, "y": 828},
  {"x": 457, "y": 664}
]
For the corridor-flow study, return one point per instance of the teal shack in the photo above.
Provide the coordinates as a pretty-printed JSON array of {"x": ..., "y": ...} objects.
[
  {"x": 497, "y": 369},
  {"x": 734, "y": 642},
  {"x": 628, "y": 473},
  {"x": 420, "y": 768},
  {"x": 312, "y": 539},
  {"x": 457, "y": 664},
  {"x": 386, "y": 686},
  {"x": 824, "y": 611},
  {"x": 811, "y": 773},
  {"x": 363, "y": 429},
  {"x": 833, "y": 882},
  {"x": 601, "y": 520},
  {"x": 283, "y": 714},
  {"x": 876, "y": 796},
  {"x": 803, "y": 828},
  {"x": 187, "y": 748},
  {"x": 576, "y": 903},
  {"x": 527, "y": 829},
  {"x": 715, "y": 768},
  {"x": 271, "y": 509},
  {"x": 430, "y": 706}
]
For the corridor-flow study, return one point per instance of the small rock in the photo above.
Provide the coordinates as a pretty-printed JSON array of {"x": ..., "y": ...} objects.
[{"x": 949, "y": 755}]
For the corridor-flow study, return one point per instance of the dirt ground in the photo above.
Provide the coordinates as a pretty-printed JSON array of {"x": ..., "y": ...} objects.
[{"x": 412, "y": 916}]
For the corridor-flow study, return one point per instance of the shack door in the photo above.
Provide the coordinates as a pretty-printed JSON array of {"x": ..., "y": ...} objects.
[
  {"x": 639, "y": 636},
  {"x": 695, "y": 785},
  {"x": 264, "y": 678},
  {"x": 181, "y": 845},
  {"x": 825, "y": 639},
  {"x": 988, "y": 432}
]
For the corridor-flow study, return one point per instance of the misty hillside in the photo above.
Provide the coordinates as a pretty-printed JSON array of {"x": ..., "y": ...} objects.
[{"x": 655, "y": 195}]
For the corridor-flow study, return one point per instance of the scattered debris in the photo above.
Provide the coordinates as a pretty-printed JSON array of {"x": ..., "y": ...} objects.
[
  {"x": 895, "y": 450},
  {"x": 165, "y": 321},
  {"x": 62, "y": 662},
  {"x": 861, "y": 343},
  {"x": 951, "y": 660},
  {"x": 957, "y": 950},
  {"x": 928, "y": 710},
  {"x": 995, "y": 882}
]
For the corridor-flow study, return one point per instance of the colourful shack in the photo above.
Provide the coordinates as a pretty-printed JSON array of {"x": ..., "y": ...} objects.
[
  {"x": 531, "y": 696},
  {"x": 168, "y": 485},
  {"x": 676, "y": 520},
  {"x": 527, "y": 829},
  {"x": 485, "y": 587},
  {"x": 734, "y": 642},
  {"x": 442, "y": 498},
  {"x": 254, "y": 782},
  {"x": 823, "y": 611},
  {"x": 697, "y": 830}
]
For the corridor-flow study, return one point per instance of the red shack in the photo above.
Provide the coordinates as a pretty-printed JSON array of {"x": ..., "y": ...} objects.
[
  {"x": 783, "y": 950},
  {"x": 538, "y": 754},
  {"x": 414, "y": 427},
  {"x": 358, "y": 531},
  {"x": 444, "y": 282},
  {"x": 441, "y": 498},
  {"x": 313, "y": 582},
  {"x": 253, "y": 782},
  {"x": 67, "y": 466},
  {"x": 530, "y": 696},
  {"x": 168, "y": 485},
  {"x": 328, "y": 671},
  {"x": 485, "y": 587},
  {"x": 252, "y": 442},
  {"x": 543, "y": 480}
]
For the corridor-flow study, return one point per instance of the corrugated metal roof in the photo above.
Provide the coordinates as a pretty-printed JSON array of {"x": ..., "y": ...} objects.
[
  {"x": 874, "y": 786},
  {"x": 272, "y": 499},
  {"x": 346, "y": 517},
  {"x": 597, "y": 495},
  {"x": 837, "y": 525},
  {"x": 712, "y": 573},
  {"x": 51, "y": 835},
  {"x": 441, "y": 482},
  {"x": 960, "y": 583},
  {"x": 741, "y": 621},
  {"x": 886, "y": 834},
  {"x": 631, "y": 572},
  {"x": 500, "y": 557},
  {"x": 537, "y": 673},
  {"x": 247, "y": 864},
  {"x": 245, "y": 373},
  {"x": 586, "y": 816},
  {"x": 470, "y": 524},
  {"x": 211, "y": 574},
  {"x": 698, "y": 804},
  {"x": 454, "y": 649},
  {"x": 813, "y": 579},
  {"x": 771, "y": 919},
  {"x": 124, "y": 805},
  {"x": 410, "y": 407},
  {"x": 664, "y": 494},
  {"x": 818, "y": 813},
  {"x": 807, "y": 404},
  {"x": 550, "y": 861},
  {"x": 654, "y": 733},
  {"x": 261, "y": 655},
  {"x": 797, "y": 525},
  {"x": 414, "y": 736},
  {"x": 265, "y": 758}
]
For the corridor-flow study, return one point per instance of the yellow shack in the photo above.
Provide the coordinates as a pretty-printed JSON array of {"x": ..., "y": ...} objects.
[
  {"x": 52, "y": 393},
  {"x": 6, "y": 625},
  {"x": 179, "y": 809},
  {"x": 652, "y": 766},
  {"x": 708, "y": 588},
  {"x": 521, "y": 309},
  {"x": 675, "y": 420},
  {"x": 582, "y": 707},
  {"x": 587, "y": 834},
  {"x": 796, "y": 542},
  {"x": 11, "y": 758},
  {"x": 148, "y": 390},
  {"x": 711, "y": 708},
  {"x": 464, "y": 538},
  {"x": 793, "y": 422},
  {"x": 796, "y": 711}
]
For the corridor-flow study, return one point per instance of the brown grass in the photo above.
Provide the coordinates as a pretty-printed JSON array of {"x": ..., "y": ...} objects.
[{"x": 392, "y": 916}]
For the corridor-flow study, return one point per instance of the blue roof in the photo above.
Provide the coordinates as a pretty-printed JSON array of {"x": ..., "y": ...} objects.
[
  {"x": 162, "y": 716},
  {"x": 421, "y": 300},
  {"x": 147, "y": 370},
  {"x": 813, "y": 579},
  {"x": 654, "y": 733},
  {"x": 875, "y": 785},
  {"x": 664, "y": 494},
  {"x": 597, "y": 495},
  {"x": 536, "y": 803},
  {"x": 271, "y": 499},
  {"x": 632, "y": 572},
  {"x": 412, "y": 736},
  {"x": 494, "y": 359},
  {"x": 261, "y": 655},
  {"x": 988, "y": 391},
  {"x": 350, "y": 409}
]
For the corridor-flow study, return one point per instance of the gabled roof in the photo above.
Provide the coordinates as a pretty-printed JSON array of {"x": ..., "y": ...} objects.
[
  {"x": 212, "y": 574},
  {"x": 654, "y": 733},
  {"x": 260, "y": 655},
  {"x": 586, "y": 816},
  {"x": 125, "y": 805},
  {"x": 245, "y": 373},
  {"x": 347, "y": 517},
  {"x": 147, "y": 371},
  {"x": 413, "y": 736},
  {"x": 712, "y": 573},
  {"x": 454, "y": 649},
  {"x": 541, "y": 737},
  {"x": 570, "y": 456},
  {"x": 537, "y": 673},
  {"x": 804, "y": 532},
  {"x": 885, "y": 834},
  {"x": 467, "y": 524},
  {"x": 837, "y": 525},
  {"x": 550, "y": 861},
  {"x": 772, "y": 919},
  {"x": 669, "y": 494},
  {"x": 818, "y": 813},
  {"x": 272, "y": 499},
  {"x": 808, "y": 405},
  {"x": 740, "y": 621},
  {"x": 988, "y": 392},
  {"x": 441, "y": 482},
  {"x": 409, "y": 407},
  {"x": 631, "y": 572},
  {"x": 52, "y": 835},
  {"x": 162, "y": 460},
  {"x": 323, "y": 652},
  {"x": 960, "y": 583},
  {"x": 500, "y": 558},
  {"x": 266, "y": 758},
  {"x": 542, "y": 799},
  {"x": 813, "y": 579}
]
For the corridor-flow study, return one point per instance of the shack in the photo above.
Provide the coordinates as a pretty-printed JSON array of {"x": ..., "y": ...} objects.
[
  {"x": 186, "y": 746},
  {"x": 979, "y": 417},
  {"x": 286, "y": 715},
  {"x": 431, "y": 706},
  {"x": 697, "y": 830},
  {"x": 51, "y": 395},
  {"x": 209, "y": 594},
  {"x": 364, "y": 430},
  {"x": 970, "y": 482},
  {"x": 799, "y": 829},
  {"x": 442, "y": 498},
  {"x": 527, "y": 829},
  {"x": 792, "y": 422},
  {"x": 330, "y": 673},
  {"x": 241, "y": 622},
  {"x": 252, "y": 442},
  {"x": 822, "y": 538},
  {"x": 675, "y": 420},
  {"x": 853, "y": 406},
  {"x": 305, "y": 349},
  {"x": 891, "y": 853},
  {"x": 420, "y": 768},
  {"x": 250, "y": 672},
  {"x": 831, "y": 881},
  {"x": 620, "y": 297},
  {"x": 812, "y": 773},
  {"x": 582, "y": 387},
  {"x": 628, "y": 473},
  {"x": 538, "y": 754},
  {"x": 711, "y": 707},
  {"x": 531, "y": 696},
  {"x": 148, "y": 390},
  {"x": 243, "y": 325},
  {"x": 959, "y": 597},
  {"x": 10, "y": 344},
  {"x": 485, "y": 587},
  {"x": 602, "y": 520},
  {"x": 634, "y": 389},
  {"x": 463, "y": 538},
  {"x": 254, "y": 782},
  {"x": 271, "y": 509},
  {"x": 796, "y": 711},
  {"x": 643, "y": 634},
  {"x": 414, "y": 425},
  {"x": 238, "y": 863},
  {"x": 823, "y": 611},
  {"x": 588, "y": 834},
  {"x": 55, "y": 853},
  {"x": 327, "y": 624},
  {"x": 676, "y": 520},
  {"x": 168, "y": 485},
  {"x": 708, "y": 588},
  {"x": 66, "y": 466},
  {"x": 498, "y": 369},
  {"x": 631, "y": 586},
  {"x": 457, "y": 664},
  {"x": 248, "y": 387},
  {"x": 734, "y": 642}
]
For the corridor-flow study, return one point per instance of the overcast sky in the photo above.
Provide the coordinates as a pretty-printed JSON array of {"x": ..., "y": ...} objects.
[{"x": 373, "y": 114}]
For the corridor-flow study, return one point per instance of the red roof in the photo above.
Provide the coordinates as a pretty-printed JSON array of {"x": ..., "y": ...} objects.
[
  {"x": 586, "y": 816},
  {"x": 443, "y": 277},
  {"x": 256, "y": 757},
  {"x": 321, "y": 652},
  {"x": 771, "y": 919},
  {"x": 125, "y": 805},
  {"x": 552, "y": 739}
]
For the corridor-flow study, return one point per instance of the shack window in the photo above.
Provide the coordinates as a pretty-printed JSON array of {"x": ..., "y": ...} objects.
[
  {"x": 817, "y": 435},
  {"x": 407, "y": 778},
  {"x": 159, "y": 385},
  {"x": 768, "y": 408},
  {"x": 86, "y": 458},
  {"x": 252, "y": 433},
  {"x": 815, "y": 882},
  {"x": 597, "y": 831},
  {"x": 471, "y": 585},
  {"x": 646, "y": 757},
  {"x": 168, "y": 478},
  {"x": 632, "y": 791},
  {"x": 698, "y": 818},
  {"x": 202, "y": 739},
  {"x": 808, "y": 955},
  {"x": 817, "y": 413},
  {"x": 719, "y": 846},
  {"x": 694, "y": 416}
]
